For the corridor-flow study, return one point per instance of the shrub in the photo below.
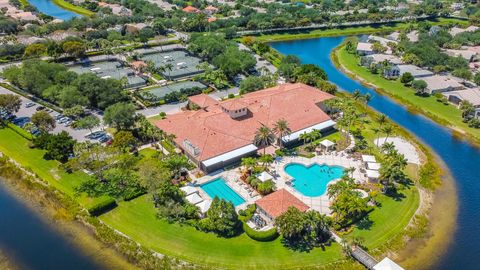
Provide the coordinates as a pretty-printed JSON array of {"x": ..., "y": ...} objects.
[
  {"x": 102, "y": 206},
  {"x": 261, "y": 236}
]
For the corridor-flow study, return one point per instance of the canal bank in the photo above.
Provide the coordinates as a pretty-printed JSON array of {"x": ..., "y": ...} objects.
[
  {"x": 460, "y": 157},
  {"x": 40, "y": 233},
  {"x": 48, "y": 7}
]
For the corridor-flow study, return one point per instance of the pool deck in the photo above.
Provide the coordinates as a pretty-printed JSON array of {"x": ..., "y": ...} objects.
[
  {"x": 318, "y": 203},
  {"x": 232, "y": 179}
]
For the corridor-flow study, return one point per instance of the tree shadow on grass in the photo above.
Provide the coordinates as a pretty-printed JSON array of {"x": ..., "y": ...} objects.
[
  {"x": 365, "y": 223},
  {"x": 301, "y": 245},
  {"x": 395, "y": 195}
]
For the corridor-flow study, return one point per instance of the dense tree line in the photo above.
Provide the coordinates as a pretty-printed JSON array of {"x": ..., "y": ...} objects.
[{"x": 55, "y": 83}]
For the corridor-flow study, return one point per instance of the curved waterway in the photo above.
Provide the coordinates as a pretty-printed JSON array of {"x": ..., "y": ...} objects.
[
  {"x": 462, "y": 159},
  {"x": 49, "y": 8},
  {"x": 32, "y": 244}
]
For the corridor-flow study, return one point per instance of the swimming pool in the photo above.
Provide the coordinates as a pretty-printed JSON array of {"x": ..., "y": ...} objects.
[
  {"x": 312, "y": 181},
  {"x": 218, "y": 188}
]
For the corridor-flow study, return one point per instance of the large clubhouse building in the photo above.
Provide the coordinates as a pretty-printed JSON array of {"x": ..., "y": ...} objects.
[{"x": 218, "y": 133}]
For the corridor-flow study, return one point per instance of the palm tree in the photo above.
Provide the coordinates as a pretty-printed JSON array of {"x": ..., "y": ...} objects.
[
  {"x": 169, "y": 67},
  {"x": 388, "y": 130},
  {"x": 356, "y": 94},
  {"x": 382, "y": 119},
  {"x": 282, "y": 129},
  {"x": 305, "y": 137},
  {"x": 248, "y": 163},
  {"x": 388, "y": 147},
  {"x": 264, "y": 137},
  {"x": 376, "y": 131}
]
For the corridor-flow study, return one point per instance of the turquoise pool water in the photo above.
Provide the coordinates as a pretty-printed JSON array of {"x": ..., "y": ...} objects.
[
  {"x": 312, "y": 181},
  {"x": 218, "y": 188}
]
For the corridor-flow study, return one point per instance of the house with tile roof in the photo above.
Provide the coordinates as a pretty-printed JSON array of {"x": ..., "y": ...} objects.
[
  {"x": 275, "y": 204},
  {"x": 214, "y": 134}
]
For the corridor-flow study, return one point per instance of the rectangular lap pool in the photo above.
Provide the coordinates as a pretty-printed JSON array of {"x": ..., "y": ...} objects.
[{"x": 218, "y": 188}]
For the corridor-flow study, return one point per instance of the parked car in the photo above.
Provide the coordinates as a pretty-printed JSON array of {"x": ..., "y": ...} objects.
[
  {"x": 104, "y": 139},
  {"x": 95, "y": 135},
  {"x": 58, "y": 116},
  {"x": 30, "y": 104},
  {"x": 40, "y": 108}
]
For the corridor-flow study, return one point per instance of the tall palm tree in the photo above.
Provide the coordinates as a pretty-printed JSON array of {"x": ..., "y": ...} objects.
[
  {"x": 388, "y": 130},
  {"x": 282, "y": 129},
  {"x": 376, "y": 131},
  {"x": 356, "y": 94},
  {"x": 381, "y": 119},
  {"x": 264, "y": 137}
]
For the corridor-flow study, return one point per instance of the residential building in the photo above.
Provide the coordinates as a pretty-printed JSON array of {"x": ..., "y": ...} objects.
[
  {"x": 441, "y": 83},
  {"x": 275, "y": 204},
  {"x": 471, "y": 95},
  {"x": 396, "y": 71},
  {"x": 219, "y": 133},
  {"x": 364, "y": 48},
  {"x": 456, "y": 30},
  {"x": 469, "y": 55},
  {"x": 190, "y": 9}
]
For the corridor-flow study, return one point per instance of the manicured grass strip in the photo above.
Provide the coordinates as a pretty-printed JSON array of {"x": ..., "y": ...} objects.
[
  {"x": 350, "y": 31},
  {"x": 138, "y": 220},
  {"x": 73, "y": 8},
  {"x": 16, "y": 147},
  {"x": 390, "y": 219},
  {"x": 448, "y": 114}
]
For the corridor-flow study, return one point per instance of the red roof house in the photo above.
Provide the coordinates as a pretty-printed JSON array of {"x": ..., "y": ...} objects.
[
  {"x": 278, "y": 202},
  {"x": 190, "y": 9}
]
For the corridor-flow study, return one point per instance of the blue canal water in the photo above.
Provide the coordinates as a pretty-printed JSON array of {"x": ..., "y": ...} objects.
[
  {"x": 49, "y": 8},
  {"x": 462, "y": 159},
  {"x": 31, "y": 243},
  {"x": 312, "y": 180}
]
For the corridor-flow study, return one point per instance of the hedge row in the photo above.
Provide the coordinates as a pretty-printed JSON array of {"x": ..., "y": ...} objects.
[
  {"x": 102, "y": 206},
  {"x": 20, "y": 131},
  {"x": 261, "y": 236}
]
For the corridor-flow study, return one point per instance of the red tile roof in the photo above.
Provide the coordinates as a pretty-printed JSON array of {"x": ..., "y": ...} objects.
[
  {"x": 202, "y": 100},
  {"x": 190, "y": 9},
  {"x": 278, "y": 202},
  {"x": 214, "y": 132}
]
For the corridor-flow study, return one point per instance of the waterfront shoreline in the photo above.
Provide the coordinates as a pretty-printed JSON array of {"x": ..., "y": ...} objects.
[
  {"x": 456, "y": 131},
  {"x": 418, "y": 253},
  {"x": 347, "y": 31},
  {"x": 58, "y": 219}
]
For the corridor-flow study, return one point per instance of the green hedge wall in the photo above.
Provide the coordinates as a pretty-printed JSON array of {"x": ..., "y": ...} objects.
[
  {"x": 263, "y": 236},
  {"x": 102, "y": 206}
]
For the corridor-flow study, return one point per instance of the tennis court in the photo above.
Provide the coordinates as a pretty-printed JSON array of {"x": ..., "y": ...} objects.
[{"x": 182, "y": 64}]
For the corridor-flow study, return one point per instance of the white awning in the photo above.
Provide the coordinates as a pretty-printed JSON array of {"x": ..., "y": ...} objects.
[
  {"x": 264, "y": 176},
  {"x": 194, "y": 198},
  {"x": 188, "y": 190},
  {"x": 230, "y": 155},
  {"x": 327, "y": 143},
  {"x": 368, "y": 158},
  {"x": 373, "y": 174},
  {"x": 387, "y": 264},
  {"x": 204, "y": 206},
  {"x": 373, "y": 166},
  {"x": 295, "y": 135}
]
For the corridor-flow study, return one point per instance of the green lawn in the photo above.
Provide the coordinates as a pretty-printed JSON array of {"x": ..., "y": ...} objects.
[
  {"x": 137, "y": 219},
  {"x": 77, "y": 9},
  {"x": 446, "y": 114},
  {"x": 389, "y": 219},
  {"x": 16, "y": 147},
  {"x": 348, "y": 31}
]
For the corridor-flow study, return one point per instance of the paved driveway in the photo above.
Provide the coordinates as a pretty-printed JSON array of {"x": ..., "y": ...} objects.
[{"x": 77, "y": 134}]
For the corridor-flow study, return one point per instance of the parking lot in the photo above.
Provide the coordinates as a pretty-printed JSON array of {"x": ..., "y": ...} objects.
[{"x": 26, "y": 113}]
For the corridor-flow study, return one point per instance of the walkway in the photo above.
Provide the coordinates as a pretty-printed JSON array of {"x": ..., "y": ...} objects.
[{"x": 363, "y": 257}]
